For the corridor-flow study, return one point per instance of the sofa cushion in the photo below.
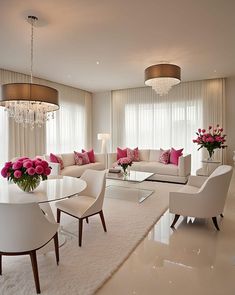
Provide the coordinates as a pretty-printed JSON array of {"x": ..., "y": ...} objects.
[
  {"x": 144, "y": 155},
  {"x": 68, "y": 159},
  {"x": 133, "y": 154},
  {"x": 81, "y": 158},
  {"x": 76, "y": 171},
  {"x": 90, "y": 154},
  {"x": 164, "y": 156},
  {"x": 121, "y": 153},
  {"x": 174, "y": 156},
  {"x": 155, "y": 167},
  {"x": 154, "y": 155}
]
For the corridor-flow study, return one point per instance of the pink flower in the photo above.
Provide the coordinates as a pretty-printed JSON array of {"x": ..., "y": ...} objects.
[
  {"x": 27, "y": 164},
  {"x": 37, "y": 162},
  {"x": 203, "y": 130},
  {"x": 8, "y": 165},
  {"x": 23, "y": 158},
  {"x": 194, "y": 140},
  {"x": 4, "y": 172},
  {"x": 199, "y": 130},
  {"x": 125, "y": 160},
  {"x": 47, "y": 171},
  {"x": 39, "y": 169},
  {"x": 44, "y": 164},
  {"x": 31, "y": 171},
  {"x": 221, "y": 129},
  {"x": 17, "y": 165},
  {"x": 17, "y": 174}
]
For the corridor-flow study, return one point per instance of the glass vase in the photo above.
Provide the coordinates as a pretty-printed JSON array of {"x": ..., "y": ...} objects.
[
  {"x": 211, "y": 154},
  {"x": 29, "y": 185}
]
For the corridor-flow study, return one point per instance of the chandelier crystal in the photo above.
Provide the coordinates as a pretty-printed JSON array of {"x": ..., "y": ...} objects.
[
  {"x": 29, "y": 104},
  {"x": 162, "y": 77}
]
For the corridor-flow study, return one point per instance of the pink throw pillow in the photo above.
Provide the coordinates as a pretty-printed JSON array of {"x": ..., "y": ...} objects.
[
  {"x": 91, "y": 155},
  {"x": 164, "y": 156},
  {"x": 81, "y": 158},
  {"x": 174, "y": 156},
  {"x": 57, "y": 159},
  {"x": 133, "y": 154},
  {"x": 121, "y": 153}
]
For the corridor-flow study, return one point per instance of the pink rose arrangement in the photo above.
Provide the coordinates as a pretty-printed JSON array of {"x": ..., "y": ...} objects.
[
  {"x": 124, "y": 163},
  {"x": 211, "y": 139},
  {"x": 26, "y": 173}
]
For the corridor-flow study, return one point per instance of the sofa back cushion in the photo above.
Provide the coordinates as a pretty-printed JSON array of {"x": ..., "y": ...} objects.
[
  {"x": 154, "y": 155},
  {"x": 68, "y": 159},
  {"x": 144, "y": 155},
  {"x": 174, "y": 156},
  {"x": 133, "y": 154}
]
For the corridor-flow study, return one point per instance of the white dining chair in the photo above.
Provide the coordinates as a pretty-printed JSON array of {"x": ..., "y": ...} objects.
[
  {"x": 23, "y": 230},
  {"x": 87, "y": 203},
  {"x": 202, "y": 197}
]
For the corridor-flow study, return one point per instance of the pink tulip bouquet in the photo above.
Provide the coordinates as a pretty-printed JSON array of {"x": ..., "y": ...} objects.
[
  {"x": 26, "y": 173},
  {"x": 211, "y": 139},
  {"x": 124, "y": 163}
]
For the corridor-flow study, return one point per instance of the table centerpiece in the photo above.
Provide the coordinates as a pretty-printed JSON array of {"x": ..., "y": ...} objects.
[
  {"x": 26, "y": 173},
  {"x": 124, "y": 163}
]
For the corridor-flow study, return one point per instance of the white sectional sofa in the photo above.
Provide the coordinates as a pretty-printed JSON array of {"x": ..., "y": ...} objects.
[
  {"x": 163, "y": 172},
  {"x": 70, "y": 169}
]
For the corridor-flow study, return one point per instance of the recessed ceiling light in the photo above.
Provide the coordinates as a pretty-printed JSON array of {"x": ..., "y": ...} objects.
[{"x": 97, "y": 62}]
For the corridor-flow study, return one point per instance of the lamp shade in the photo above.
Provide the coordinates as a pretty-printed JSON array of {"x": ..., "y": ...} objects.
[
  {"x": 162, "y": 77},
  {"x": 103, "y": 136},
  {"x": 30, "y": 92}
]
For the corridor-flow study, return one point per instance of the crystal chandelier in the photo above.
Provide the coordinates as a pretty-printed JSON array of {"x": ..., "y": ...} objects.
[
  {"x": 29, "y": 104},
  {"x": 162, "y": 77}
]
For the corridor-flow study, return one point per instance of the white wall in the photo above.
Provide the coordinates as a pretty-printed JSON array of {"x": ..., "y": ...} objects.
[
  {"x": 230, "y": 117},
  {"x": 101, "y": 117}
]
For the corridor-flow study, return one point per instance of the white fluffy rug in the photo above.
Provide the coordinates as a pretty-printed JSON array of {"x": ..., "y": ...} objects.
[{"x": 83, "y": 270}]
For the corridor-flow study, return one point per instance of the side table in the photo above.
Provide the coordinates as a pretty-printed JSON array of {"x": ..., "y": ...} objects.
[{"x": 208, "y": 166}]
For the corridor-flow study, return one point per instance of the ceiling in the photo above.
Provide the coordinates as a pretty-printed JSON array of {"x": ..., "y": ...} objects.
[{"x": 123, "y": 36}]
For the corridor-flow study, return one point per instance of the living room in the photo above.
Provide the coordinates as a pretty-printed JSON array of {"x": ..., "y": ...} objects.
[{"x": 139, "y": 100}]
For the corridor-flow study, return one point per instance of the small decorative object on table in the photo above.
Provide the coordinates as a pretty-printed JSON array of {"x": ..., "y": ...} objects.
[
  {"x": 26, "y": 173},
  {"x": 211, "y": 139},
  {"x": 124, "y": 163}
]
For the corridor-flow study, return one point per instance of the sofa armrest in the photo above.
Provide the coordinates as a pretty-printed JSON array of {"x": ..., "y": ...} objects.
[
  {"x": 101, "y": 158},
  {"x": 55, "y": 168},
  {"x": 196, "y": 180},
  {"x": 112, "y": 158},
  {"x": 184, "y": 165}
]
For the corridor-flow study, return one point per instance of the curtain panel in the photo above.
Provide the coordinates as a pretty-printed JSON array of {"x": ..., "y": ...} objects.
[
  {"x": 69, "y": 130},
  {"x": 144, "y": 119}
]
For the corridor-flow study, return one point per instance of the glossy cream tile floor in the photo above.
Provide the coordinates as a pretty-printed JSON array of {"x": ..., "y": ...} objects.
[{"x": 193, "y": 259}]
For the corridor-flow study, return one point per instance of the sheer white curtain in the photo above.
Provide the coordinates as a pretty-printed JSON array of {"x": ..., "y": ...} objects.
[
  {"x": 144, "y": 119},
  {"x": 70, "y": 130}
]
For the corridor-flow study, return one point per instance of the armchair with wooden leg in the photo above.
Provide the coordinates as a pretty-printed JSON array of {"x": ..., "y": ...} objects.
[
  {"x": 202, "y": 197},
  {"x": 23, "y": 230},
  {"x": 87, "y": 203}
]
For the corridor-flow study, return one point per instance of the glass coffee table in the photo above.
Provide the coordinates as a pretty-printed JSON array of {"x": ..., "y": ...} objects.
[{"x": 122, "y": 191}]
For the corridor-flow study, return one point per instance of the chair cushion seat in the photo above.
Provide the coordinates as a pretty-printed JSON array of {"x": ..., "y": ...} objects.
[{"x": 75, "y": 206}]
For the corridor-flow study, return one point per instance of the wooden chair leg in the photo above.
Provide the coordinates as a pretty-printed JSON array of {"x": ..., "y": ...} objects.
[
  {"x": 215, "y": 223},
  {"x": 35, "y": 270},
  {"x": 87, "y": 221},
  {"x": 102, "y": 220},
  {"x": 175, "y": 220},
  {"x": 58, "y": 215},
  {"x": 0, "y": 264},
  {"x": 56, "y": 243},
  {"x": 80, "y": 232}
]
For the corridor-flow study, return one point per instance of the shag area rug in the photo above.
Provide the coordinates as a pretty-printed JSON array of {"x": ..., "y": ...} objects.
[{"x": 83, "y": 270}]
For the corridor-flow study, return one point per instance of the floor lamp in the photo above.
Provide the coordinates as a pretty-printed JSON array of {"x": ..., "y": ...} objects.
[{"x": 104, "y": 137}]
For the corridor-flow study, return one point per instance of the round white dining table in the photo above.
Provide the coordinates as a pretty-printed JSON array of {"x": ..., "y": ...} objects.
[{"x": 48, "y": 191}]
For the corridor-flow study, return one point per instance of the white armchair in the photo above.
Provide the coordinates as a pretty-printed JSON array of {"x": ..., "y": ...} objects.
[
  {"x": 202, "y": 197},
  {"x": 88, "y": 203},
  {"x": 23, "y": 230}
]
